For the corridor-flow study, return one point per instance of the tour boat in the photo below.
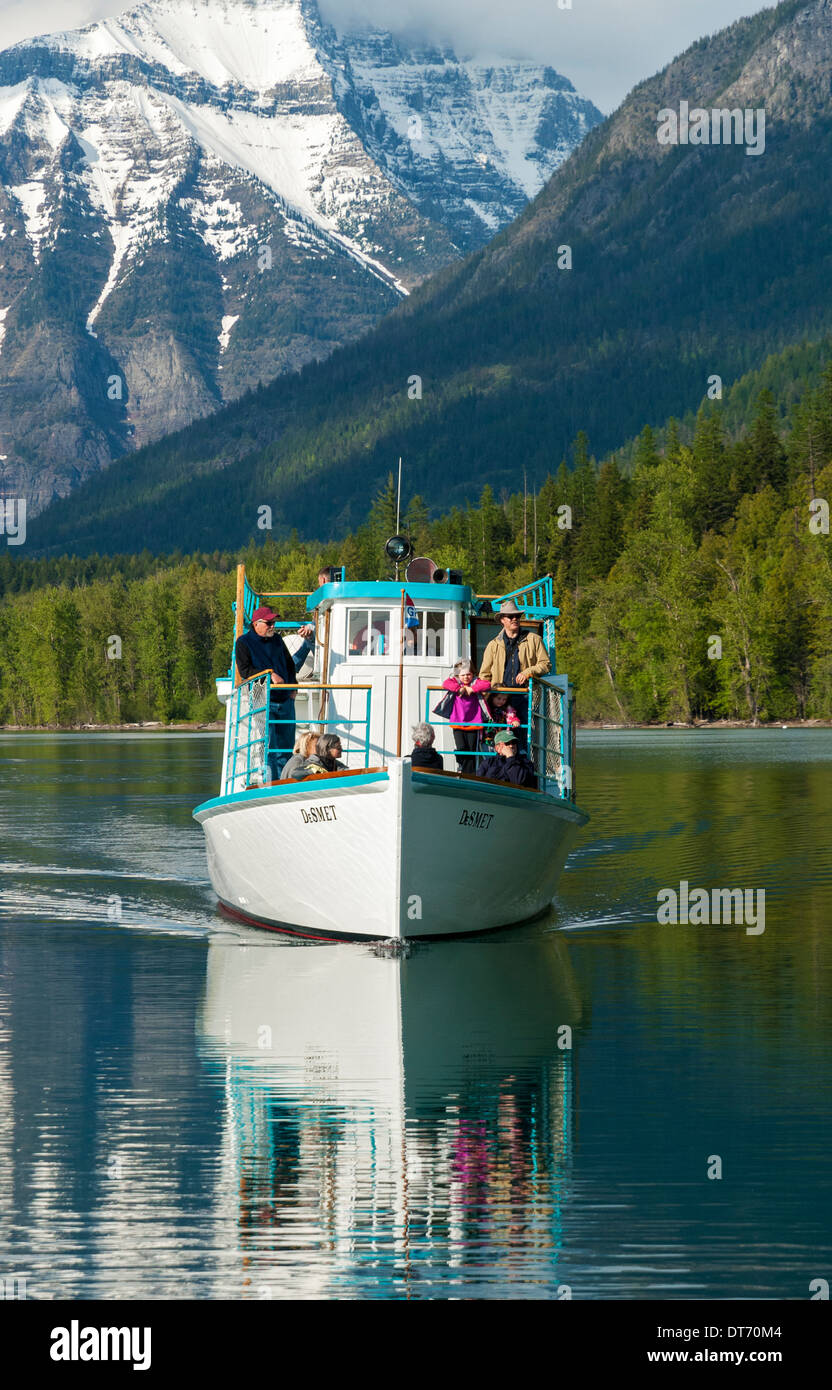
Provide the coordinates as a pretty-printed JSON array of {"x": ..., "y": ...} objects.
[{"x": 384, "y": 849}]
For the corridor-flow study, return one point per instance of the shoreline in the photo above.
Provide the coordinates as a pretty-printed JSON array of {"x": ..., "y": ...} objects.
[
  {"x": 152, "y": 727},
  {"x": 707, "y": 723},
  {"x": 218, "y": 727},
  {"x": 712, "y": 724}
]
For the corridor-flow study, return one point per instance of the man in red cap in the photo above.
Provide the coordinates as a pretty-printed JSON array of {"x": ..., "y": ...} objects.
[{"x": 263, "y": 649}]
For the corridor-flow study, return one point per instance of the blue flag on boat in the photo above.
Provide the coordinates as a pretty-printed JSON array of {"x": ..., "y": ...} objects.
[{"x": 411, "y": 617}]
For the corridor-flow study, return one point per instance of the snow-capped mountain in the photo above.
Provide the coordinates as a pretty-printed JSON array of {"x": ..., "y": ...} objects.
[
  {"x": 469, "y": 142},
  {"x": 199, "y": 195}
]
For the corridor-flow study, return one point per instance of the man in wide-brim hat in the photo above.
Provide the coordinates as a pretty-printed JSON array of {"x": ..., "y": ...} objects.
[{"x": 512, "y": 658}]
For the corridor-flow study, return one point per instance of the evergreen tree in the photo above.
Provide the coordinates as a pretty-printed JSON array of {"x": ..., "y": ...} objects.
[
  {"x": 711, "y": 504},
  {"x": 765, "y": 444},
  {"x": 646, "y": 454}
]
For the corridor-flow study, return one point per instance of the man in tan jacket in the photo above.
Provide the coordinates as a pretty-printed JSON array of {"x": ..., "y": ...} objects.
[{"x": 511, "y": 660}]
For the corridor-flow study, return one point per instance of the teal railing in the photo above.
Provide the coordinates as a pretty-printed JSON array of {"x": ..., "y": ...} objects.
[
  {"x": 248, "y": 735},
  {"x": 431, "y": 718},
  {"x": 549, "y": 731},
  {"x": 552, "y": 734},
  {"x": 253, "y": 730},
  {"x": 536, "y": 601}
]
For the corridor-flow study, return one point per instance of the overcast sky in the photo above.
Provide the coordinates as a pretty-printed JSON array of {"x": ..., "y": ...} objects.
[{"x": 603, "y": 46}]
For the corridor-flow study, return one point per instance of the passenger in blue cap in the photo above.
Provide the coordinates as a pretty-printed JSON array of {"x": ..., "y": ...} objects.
[{"x": 511, "y": 763}]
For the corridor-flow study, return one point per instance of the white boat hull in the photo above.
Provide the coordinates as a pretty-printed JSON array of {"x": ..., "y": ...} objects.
[{"x": 391, "y": 854}]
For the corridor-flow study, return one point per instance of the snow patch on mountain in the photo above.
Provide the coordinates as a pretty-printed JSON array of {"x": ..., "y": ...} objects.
[
  {"x": 11, "y": 101},
  {"x": 485, "y": 214},
  {"x": 257, "y": 45},
  {"x": 122, "y": 241},
  {"x": 228, "y": 323},
  {"x": 134, "y": 159},
  {"x": 32, "y": 199},
  {"x": 514, "y": 125},
  {"x": 219, "y": 222},
  {"x": 287, "y": 164},
  {"x": 300, "y": 234}
]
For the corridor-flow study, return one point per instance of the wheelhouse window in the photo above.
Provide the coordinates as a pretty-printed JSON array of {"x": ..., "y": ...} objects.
[
  {"x": 373, "y": 632},
  {"x": 369, "y": 632},
  {"x": 428, "y": 639},
  {"x": 432, "y": 630}
]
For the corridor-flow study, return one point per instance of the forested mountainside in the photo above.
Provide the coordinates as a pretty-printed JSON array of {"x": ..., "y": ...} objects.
[{"x": 696, "y": 585}]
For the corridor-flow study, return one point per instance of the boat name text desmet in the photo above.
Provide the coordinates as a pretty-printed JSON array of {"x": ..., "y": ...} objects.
[
  {"x": 318, "y": 813},
  {"x": 480, "y": 820}
]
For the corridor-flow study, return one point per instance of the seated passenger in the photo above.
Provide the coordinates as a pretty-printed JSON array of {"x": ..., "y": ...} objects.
[
  {"x": 424, "y": 754},
  {"x": 325, "y": 758},
  {"x": 302, "y": 752},
  {"x": 511, "y": 763},
  {"x": 466, "y": 717}
]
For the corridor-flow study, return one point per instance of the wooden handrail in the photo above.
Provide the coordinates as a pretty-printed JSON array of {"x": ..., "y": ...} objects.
[
  {"x": 471, "y": 777},
  {"x": 239, "y": 614},
  {"x": 329, "y": 776},
  {"x": 493, "y": 690},
  {"x": 304, "y": 685},
  {"x": 249, "y": 679}
]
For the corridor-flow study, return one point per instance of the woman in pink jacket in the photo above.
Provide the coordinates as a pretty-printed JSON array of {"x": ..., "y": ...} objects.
[{"x": 466, "y": 716}]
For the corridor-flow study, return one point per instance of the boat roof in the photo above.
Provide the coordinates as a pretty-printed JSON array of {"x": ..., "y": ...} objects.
[{"x": 386, "y": 591}]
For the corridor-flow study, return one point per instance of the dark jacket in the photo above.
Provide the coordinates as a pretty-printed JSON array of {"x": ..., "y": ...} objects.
[
  {"x": 518, "y": 770},
  {"x": 426, "y": 757},
  {"x": 253, "y": 654}
]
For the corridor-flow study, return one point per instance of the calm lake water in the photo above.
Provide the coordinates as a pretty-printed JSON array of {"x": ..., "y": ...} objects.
[{"x": 192, "y": 1109}]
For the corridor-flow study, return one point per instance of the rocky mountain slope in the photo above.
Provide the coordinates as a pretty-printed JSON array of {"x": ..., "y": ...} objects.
[
  {"x": 686, "y": 264},
  {"x": 199, "y": 195}
]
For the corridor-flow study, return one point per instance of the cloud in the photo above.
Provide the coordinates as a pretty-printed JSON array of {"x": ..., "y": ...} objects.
[
  {"x": 604, "y": 46},
  {"x": 23, "y": 19}
]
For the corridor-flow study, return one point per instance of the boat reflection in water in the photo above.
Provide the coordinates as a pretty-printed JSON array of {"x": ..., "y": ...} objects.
[{"x": 395, "y": 1126}]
